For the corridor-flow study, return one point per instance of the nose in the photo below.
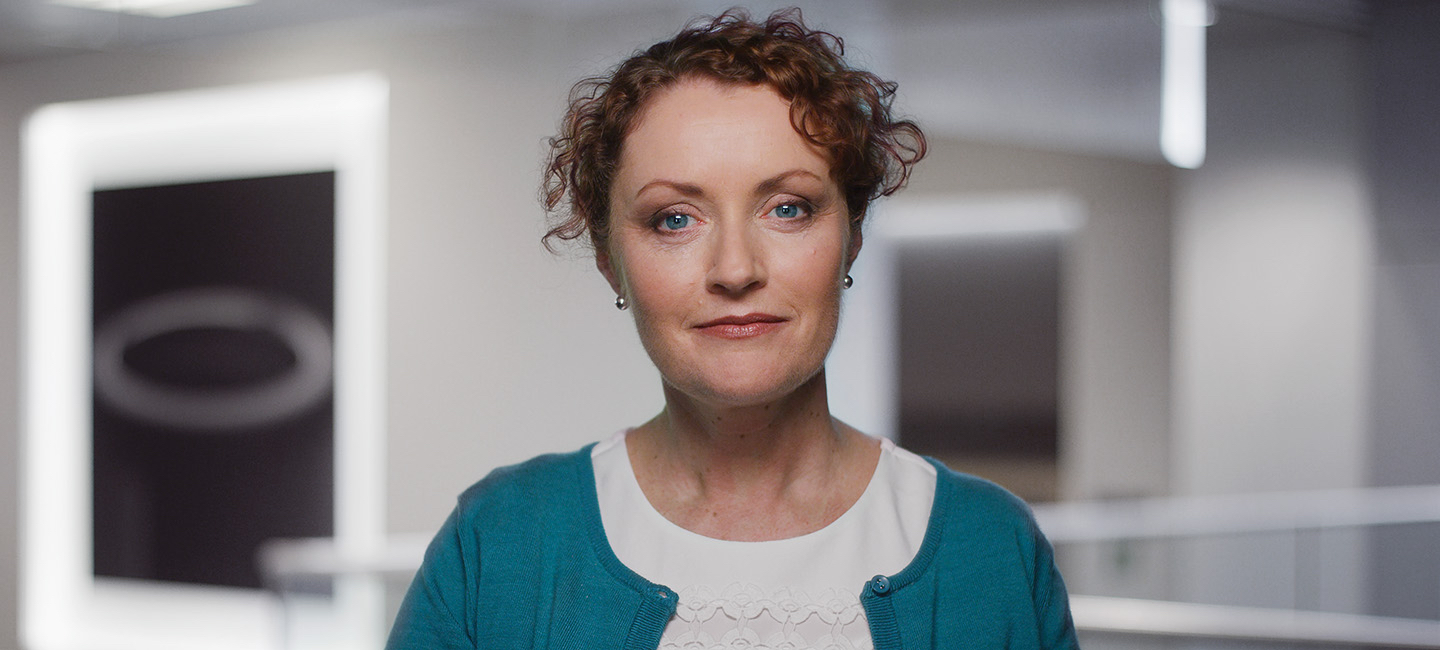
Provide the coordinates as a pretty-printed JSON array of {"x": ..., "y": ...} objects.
[{"x": 736, "y": 265}]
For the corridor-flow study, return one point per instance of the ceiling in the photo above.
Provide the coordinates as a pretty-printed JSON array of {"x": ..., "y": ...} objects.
[{"x": 1077, "y": 75}]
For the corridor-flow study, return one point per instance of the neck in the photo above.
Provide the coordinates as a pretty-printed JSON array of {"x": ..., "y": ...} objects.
[
  {"x": 745, "y": 449},
  {"x": 754, "y": 472}
]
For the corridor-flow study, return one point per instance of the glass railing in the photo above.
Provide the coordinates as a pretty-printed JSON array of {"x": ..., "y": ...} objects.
[{"x": 1282, "y": 570}]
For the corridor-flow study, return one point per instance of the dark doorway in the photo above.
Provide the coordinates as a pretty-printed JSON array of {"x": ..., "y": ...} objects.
[{"x": 979, "y": 356}]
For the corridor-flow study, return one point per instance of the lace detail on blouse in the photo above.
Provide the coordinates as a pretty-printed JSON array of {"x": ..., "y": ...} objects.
[{"x": 747, "y": 616}]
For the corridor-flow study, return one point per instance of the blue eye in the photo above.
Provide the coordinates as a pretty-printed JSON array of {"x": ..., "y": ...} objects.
[
  {"x": 676, "y": 221},
  {"x": 788, "y": 210}
]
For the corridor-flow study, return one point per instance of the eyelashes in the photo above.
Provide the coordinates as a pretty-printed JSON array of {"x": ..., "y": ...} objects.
[
  {"x": 792, "y": 210},
  {"x": 674, "y": 221}
]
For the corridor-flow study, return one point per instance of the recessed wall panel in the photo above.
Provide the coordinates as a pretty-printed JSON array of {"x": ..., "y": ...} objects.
[{"x": 213, "y": 407}]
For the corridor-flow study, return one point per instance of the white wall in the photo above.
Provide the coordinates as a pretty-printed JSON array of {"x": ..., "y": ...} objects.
[
  {"x": 1272, "y": 257},
  {"x": 1273, "y": 273},
  {"x": 1273, "y": 276}
]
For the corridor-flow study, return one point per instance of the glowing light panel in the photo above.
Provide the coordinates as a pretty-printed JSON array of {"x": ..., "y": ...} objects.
[
  {"x": 1182, "y": 104},
  {"x": 69, "y": 151},
  {"x": 153, "y": 8}
]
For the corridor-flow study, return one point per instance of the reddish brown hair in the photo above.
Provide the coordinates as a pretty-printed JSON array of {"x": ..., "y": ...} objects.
[{"x": 844, "y": 111}]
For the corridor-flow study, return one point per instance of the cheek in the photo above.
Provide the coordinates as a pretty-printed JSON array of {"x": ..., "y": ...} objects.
[
  {"x": 823, "y": 264},
  {"x": 812, "y": 282},
  {"x": 661, "y": 290},
  {"x": 650, "y": 280}
]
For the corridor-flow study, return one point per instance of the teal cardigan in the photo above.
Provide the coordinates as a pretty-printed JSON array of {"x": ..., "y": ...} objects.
[{"x": 523, "y": 562}]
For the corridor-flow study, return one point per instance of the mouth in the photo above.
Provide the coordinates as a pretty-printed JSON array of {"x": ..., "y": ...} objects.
[{"x": 740, "y": 327}]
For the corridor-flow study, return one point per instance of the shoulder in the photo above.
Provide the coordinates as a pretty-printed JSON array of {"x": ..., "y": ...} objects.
[
  {"x": 972, "y": 504},
  {"x": 991, "y": 564},
  {"x": 550, "y": 480},
  {"x": 973, "y": 491}
]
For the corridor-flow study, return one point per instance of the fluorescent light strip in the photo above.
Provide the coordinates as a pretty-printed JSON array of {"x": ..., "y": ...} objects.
[
  {"x": 1182, "y": 103},
  {"x": 924, "y": 220},
  {"x": 153, "y": 8}
]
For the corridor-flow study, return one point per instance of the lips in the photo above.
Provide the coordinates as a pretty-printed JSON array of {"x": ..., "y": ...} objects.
[{"x": 740, "y": 327}]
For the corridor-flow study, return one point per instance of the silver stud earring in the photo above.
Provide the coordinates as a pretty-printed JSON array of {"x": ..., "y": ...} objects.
[
  {"x": 621, "y": 303},
  {"x": 848, "y": 281}
]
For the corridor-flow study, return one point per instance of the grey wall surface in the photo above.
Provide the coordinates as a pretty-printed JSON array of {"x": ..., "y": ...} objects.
[
  {"x": 1406, "y": 447},
  {"x": 1273, "y": 283},
  {"x": 1405, "y": 414},
  {"x": 9, "y": 366},
  {"x": 1273, "y": 266}
]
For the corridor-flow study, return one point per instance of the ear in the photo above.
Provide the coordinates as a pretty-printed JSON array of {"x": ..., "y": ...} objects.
[
  {"x": 607, "y": 269},
  {"x": 856, "y": 240}
]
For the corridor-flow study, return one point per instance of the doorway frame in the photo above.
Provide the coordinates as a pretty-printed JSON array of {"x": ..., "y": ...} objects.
[{"x": 862, "y": 371}]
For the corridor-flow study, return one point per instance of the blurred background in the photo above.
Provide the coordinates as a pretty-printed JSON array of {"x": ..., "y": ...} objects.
[{"x": 1214, "y": 370}]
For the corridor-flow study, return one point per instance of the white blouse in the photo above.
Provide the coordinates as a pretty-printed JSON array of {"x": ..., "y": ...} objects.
[{"x": 801, "y": 592}]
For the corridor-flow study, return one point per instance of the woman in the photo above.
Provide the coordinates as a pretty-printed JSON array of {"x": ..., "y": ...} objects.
[{"x": 723, "y": 178}]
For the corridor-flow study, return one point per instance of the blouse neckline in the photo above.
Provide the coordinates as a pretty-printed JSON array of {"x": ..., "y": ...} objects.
[
  {"x": 856, "y": 509},
  {"x": 590, "y": 504}
]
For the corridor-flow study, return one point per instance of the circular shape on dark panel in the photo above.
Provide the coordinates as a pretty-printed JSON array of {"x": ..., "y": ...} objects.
[{"x": 281, "y": 393}]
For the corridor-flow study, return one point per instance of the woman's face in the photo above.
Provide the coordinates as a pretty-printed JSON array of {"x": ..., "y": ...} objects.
[{"x": 729, "y": 239}]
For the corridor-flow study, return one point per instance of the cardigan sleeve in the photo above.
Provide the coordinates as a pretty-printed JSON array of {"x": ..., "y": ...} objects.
[
  {"x": 1052, "y": 601},
  {"x": 435, "y": 610}
]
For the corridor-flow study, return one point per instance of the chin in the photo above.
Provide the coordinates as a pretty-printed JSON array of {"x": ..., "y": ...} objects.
[{"x": 747, "y": 390}]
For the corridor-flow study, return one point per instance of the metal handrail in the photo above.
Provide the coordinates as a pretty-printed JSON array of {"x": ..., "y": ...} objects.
[
  {"x": 1160, "y": 618},
  {"x": 1233, "y": 514},
  {"x": 283, "y": 561}
]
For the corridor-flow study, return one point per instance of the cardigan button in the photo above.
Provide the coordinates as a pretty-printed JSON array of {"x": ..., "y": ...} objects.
[{"x": 880, "y": 584}]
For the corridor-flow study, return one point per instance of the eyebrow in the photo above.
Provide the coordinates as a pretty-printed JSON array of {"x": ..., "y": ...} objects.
[
  {"x": 773, "y": 183},
  {"x": 688, "y": 189},
  {"x": 764, "y": 187}
]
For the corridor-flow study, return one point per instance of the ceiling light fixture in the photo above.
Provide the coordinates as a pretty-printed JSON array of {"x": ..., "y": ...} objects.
[
  {"x": 1182, "y": 102},
  {"x": 153, "y": 8}
]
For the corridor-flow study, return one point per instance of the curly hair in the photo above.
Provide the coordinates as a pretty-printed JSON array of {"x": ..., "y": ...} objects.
[{"x": 843, "y": 111}]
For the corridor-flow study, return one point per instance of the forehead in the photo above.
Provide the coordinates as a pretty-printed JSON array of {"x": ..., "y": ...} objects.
[
  {"x": 698, "y": 125},
  {"x": 698, "y": 95}
]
